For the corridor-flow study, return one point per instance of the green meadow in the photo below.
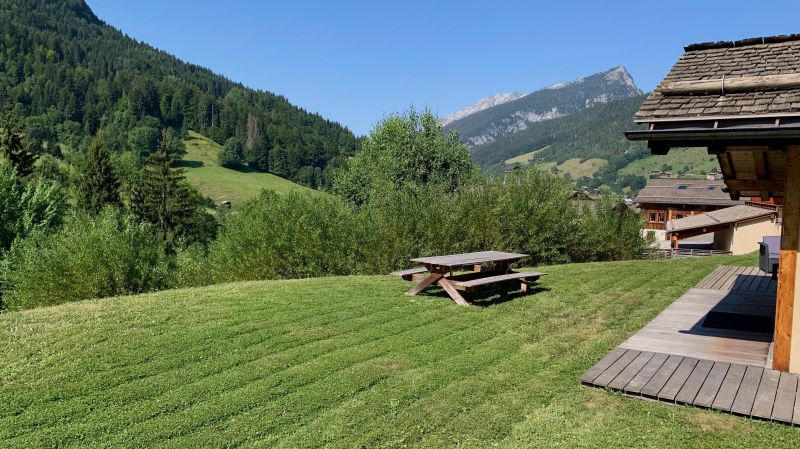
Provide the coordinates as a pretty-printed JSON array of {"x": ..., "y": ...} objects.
[{"x": 352, "y": 362}]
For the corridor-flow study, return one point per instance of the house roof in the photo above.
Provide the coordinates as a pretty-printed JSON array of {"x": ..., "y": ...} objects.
[
  {"x": 685, "y": 191},
  {"x": 729, "y": 215},
  {"x": 776, "y": 55}
]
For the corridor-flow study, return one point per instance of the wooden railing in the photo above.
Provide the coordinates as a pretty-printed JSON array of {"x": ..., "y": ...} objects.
[{"x": 684, "y": 253}]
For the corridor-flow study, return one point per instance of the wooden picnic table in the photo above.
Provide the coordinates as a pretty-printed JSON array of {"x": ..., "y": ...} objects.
[{"x": 487, "y": 267}]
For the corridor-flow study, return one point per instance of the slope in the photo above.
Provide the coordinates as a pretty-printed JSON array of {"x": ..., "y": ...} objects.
[
  {"x": 224, "y": 184},
  {"x": 73, "y": 76},
  {"x": 351, "y": 362}
]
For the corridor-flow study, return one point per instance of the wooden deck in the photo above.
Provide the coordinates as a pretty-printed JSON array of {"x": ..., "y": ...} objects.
[{"x": 677, "y": 359}]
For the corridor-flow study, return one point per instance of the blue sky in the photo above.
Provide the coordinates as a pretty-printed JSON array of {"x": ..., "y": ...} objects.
[{"x": 356, "y": 61}]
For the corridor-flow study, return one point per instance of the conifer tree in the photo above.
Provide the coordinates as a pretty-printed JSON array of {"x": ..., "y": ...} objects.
[
  {"x": 162, "y": 196},
  {"x": 13, "y": 144},
  {"x": 97, "y": 184}
]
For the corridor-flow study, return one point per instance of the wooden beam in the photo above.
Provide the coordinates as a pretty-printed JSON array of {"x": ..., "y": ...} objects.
[
  {"x": 733, "y": 84},
  {"x": 761, "y": 162},
  {"x": 754, "y": 185},
  {"x": 787, "y": 271},
  {"x": 726, "y": 165}
]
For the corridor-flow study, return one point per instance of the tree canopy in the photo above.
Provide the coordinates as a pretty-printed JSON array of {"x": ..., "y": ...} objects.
[{"x": 402, "y": 152}]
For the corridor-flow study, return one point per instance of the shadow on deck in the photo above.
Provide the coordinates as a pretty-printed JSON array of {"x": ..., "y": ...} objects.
[{"x": 710, "y": 348}]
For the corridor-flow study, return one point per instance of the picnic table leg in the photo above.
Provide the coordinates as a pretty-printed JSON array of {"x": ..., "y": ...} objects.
[
  {"x": 423, "y": 284},
  {"x": 452, "y": 292}
]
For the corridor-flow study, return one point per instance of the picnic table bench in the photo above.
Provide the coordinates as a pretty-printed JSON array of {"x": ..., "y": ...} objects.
[{"x": 487, "y": 268}]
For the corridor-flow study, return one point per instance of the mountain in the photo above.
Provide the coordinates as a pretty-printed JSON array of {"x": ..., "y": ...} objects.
[
  {"x": 480, "y": 105},
  {"x": 72, "y": 76},
  {"x": 595, "y": 132},
  {"x": 562, "y": 99}
]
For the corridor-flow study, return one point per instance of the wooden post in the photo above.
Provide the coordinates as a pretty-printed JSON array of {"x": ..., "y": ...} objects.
[{"x": 786, "y": 355}]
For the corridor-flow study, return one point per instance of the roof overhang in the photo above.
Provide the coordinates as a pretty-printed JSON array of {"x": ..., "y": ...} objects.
[{"x": 773, "y": 131}]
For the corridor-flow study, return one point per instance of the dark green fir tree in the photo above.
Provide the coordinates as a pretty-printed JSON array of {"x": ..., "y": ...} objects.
[
  {"x": 162, "y": 196},
  {"x": 13, "y": 144},
  {"x": 97, "y": 184}
]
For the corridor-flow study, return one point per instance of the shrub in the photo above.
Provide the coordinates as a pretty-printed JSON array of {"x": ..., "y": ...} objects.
[
  {"x": 108, "y": 255},
  {"x": 25, "y": 208},
  {"x": 300, "y": 235},
  {"x": 285, "y": 236}
]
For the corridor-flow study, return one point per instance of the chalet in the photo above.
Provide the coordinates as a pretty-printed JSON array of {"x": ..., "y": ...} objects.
[
  {"x": 741, "y": 101},
  {"x": 731, "y": 343},
  {"x": 663, "y": 200},
  {"x": 736, "y": 229}
]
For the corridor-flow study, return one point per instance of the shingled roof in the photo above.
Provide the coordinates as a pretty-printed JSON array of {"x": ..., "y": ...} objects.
[
  {"x": 696, "y": 191},
  {"x": 777, "y": 55},
  {"x": 729, "y": 215}
]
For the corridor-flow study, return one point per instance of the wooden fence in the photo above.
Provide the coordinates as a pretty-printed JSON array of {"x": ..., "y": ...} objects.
[{"x": 662, "y": 254}]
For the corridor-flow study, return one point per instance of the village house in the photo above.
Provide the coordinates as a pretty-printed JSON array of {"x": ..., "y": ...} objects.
[
  {"x": 737, "y": 229},
  {"x": 663, "y": 200}
]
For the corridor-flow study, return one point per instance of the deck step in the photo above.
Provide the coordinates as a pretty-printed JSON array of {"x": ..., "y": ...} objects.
[{"x": 475, "y": 283}]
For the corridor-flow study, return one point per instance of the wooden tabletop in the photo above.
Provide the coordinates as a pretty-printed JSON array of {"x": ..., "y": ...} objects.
[{"x": 459, "y": 260}]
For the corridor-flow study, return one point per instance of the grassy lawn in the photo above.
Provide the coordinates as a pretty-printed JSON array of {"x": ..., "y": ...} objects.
[
  {"x": 697, "y": 159},
  {"x": 524, "y": 159},
  {"x": 351, "y": 362},
  {"x": 577, "y": 168},
  {"x": 222, "y": 183}
]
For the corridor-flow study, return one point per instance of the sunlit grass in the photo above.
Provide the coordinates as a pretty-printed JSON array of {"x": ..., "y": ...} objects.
[{"x": 352, "y": 362}]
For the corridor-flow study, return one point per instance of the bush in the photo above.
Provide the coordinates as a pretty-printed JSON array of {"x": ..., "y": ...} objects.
[
  {"x": 287, "y": 236},
  {"x": 25, "y": 208},
  {"x": 108, "y": 255},
  {"x": 300, "y": 235}
]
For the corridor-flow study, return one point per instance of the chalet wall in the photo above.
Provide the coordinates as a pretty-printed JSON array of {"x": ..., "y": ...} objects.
[{"x": 747, "y": 235}]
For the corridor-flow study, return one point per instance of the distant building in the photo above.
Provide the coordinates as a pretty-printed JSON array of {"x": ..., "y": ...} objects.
[
  {"x": 737, "y": 229},
  {"x": 663, "y": 200},
  {"x": 714, "y": 174}
]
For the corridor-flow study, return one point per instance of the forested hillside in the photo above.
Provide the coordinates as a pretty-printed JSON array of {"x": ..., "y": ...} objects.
[{"x": 71, "y": 76}]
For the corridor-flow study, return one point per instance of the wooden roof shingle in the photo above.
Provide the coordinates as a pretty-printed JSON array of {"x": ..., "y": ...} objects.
[{"x": 777, "y": 55}]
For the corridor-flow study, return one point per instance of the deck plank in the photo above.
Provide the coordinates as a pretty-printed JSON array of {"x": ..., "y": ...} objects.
[
  {"x": 741, "y": 279},
  {"x": 729, "y": 388},
  {"x": 785, "y": 398},
  {"x": 708, "y": 392},
  {"x": 796, "y": 414},
  {"x": 720, "y": 279},
  {"x": 646, "y": 373},
  {"x": 591, "y": 374},
  {"x": 630, "y": 371},
  {"x": 732, "y": 278},
  {"x": 724, "y": 277},
  {"x": 743, "y": 404},
  {"x": 613, "y": 371},
  {"x": 675, "y": 383},
  {"x": 765, "y": 397},
  {"x": 752, "y": 277},
  {"x": 708, "y": 279},
  {"x": 676, "y": 358},
  {"x": 662, "y": 376},
  {"x": 693, "y": 383}
]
